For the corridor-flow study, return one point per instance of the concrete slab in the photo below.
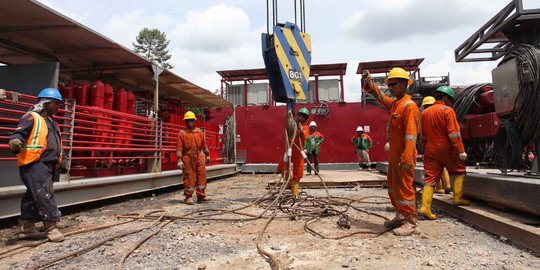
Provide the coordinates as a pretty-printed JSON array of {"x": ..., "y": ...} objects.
[
  {"x": 271, "y": 167},
  {"x": 95, "y": 189},
  {"x": 521, "y": 229},
  {"x": 512, "y": 191},
  {"x": 342, "y": 179}
]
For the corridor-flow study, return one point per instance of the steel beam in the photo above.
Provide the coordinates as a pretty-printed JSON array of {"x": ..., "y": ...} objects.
[
  {"x": 96, "y": 189},
  {"x": 494, "y": 221},
  {"x": 515, "y": 192}
]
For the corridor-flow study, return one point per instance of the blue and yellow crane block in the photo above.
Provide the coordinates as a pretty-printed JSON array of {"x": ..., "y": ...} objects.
[{"x": 287, "y": 57}]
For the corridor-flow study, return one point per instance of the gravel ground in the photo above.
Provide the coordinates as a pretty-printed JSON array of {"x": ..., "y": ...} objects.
[{"x": 442, "y": 244}]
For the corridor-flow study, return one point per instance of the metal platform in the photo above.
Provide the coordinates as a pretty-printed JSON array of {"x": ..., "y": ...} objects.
[
  {"x": 511, "y": 191},
  {"x": 95, "y": 189},
  {"x": 271, "y": 167},
  {"x": 341, "y": 179},
  {"x": 522, "y": 229}
]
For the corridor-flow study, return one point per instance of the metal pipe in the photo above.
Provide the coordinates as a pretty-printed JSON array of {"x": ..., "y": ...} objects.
[
  {"x": 342, "y": 93},
  {"x": 316, "y": 88}
]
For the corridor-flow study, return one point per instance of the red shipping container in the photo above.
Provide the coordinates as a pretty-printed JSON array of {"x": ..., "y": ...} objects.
[{"x": 485, "y": 125}]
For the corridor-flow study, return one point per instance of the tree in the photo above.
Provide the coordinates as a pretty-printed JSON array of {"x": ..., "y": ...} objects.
[{"x": 152, "y": 44}]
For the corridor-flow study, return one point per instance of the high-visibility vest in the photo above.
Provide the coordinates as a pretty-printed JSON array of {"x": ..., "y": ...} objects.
[{"x": 36, "y": 142}]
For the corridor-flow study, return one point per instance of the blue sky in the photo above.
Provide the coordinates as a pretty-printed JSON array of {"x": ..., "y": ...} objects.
[{"x": 211, "y": 35}]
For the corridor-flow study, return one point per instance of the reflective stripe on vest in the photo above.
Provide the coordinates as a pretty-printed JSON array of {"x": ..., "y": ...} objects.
[{"x": 36, "y": 142}]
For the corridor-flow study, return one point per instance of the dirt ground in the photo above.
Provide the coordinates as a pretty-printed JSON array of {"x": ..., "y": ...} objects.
[{"x": 188, "y": 244}]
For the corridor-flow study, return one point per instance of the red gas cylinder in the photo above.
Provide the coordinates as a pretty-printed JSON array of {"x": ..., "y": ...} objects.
[
  {"x": 97, "y": 98},
  {"x": 130, "y": 102},
  {"x": 120, "y": 100},
  {"x": 82, "y": 94},
  {"x": 109, "y": 97},
  {"x": 69, "y": 90}
]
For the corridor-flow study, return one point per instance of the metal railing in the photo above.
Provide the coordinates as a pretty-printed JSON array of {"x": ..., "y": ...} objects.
[{"x": 100, "y": 142}]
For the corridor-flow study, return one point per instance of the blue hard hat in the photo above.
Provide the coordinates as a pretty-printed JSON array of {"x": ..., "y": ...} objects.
[{"x": 50, "y": 93}]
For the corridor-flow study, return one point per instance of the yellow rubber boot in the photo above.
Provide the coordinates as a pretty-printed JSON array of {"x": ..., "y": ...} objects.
[
  {"x": 458, "y": 191},
  {"x": 295, "y": 185},
  {"x": 446, "y": 181},
  {"x": 427, "y": 198}
]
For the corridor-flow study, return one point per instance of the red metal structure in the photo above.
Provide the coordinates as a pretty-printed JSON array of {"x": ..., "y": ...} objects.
[{"x": 260, "y": 136}]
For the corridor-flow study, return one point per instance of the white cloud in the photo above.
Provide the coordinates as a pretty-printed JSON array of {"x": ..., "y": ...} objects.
[
  {"x": 397, "y": 20},
  {"x": 207, "y": 36},
  {"x": 217, "y": 29},
  {"x": 220, "y": 37},
  {"x": 460, "y": 73},
  {"x": 125, "y": 27}
]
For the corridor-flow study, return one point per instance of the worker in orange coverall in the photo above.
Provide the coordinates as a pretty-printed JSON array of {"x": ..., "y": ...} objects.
[
  {"x": 298, "y": 155},
  {"x": 443, "y": 148},
  {"x": 443, "y": 185},
  {"x": 402, "y": 134},
  {"x": 192, "y": 154}
]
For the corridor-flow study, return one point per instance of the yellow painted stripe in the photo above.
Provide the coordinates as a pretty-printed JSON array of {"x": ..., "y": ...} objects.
[
  {"x": 300, "y": 57},
  {"x": 307, "y": 40},
  {"x": 286, "y": 65}
]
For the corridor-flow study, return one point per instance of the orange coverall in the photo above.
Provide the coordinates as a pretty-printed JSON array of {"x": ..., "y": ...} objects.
[
  {"x": 402, "y": 134},
  {"x": 190, "y": 144},
  {"x": 442, "y": 139},
  {"x": 296, "y": 156}
]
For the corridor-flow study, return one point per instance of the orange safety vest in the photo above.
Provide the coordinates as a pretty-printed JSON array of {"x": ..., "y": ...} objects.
[{"x": 36, "y": 142}]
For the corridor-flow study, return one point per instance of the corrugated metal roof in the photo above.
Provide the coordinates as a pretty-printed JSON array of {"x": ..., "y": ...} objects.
[
  {"x": 33, "y": 33},
  {"x": 261, "y": 74},
  {"x": 385, "y": 66}
]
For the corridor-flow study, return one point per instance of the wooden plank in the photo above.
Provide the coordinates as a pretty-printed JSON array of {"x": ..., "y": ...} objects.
[{"x": 494, "y": 221}]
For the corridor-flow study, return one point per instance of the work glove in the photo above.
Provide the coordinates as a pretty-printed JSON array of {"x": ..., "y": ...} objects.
[
  {"x": 207, "y": 159},
  {"x": 406, "y": 167},
  {"x": 15, "y": 145},
  {"x": 180, "y": 165},
  {"x": 463, "y": 156},
  {"x": 366, "y": 81},
  {"x": 366, "y": 76}
]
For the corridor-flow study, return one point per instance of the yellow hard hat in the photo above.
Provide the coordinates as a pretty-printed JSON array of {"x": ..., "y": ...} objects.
[
  {"x": 429, "y": 100},
  {"x": 189, "y": 115},
  {"x": 398, "y": 73}
]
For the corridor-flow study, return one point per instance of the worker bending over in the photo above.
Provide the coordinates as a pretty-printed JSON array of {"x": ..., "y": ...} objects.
[
  {"x": 314, "y": 139},
  {"x": 192, "y": 155},
  {"x": 298, "y": 155},
  {"x": 402, "y": 134},
  {"x": 362, "y": 143},
  {"x": 443, "y": 184},
  {"x": 443, "y": 148},
  {"x": 38, "y": 145}
]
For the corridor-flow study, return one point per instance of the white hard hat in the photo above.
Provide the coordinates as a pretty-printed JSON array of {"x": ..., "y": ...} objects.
[
  {"x": 359, "y": 128},
  {"x": 312, "y": 124}
]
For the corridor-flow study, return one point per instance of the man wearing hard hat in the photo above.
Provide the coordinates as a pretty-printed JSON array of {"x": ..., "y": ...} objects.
[
  {"x": 192, "y": 155},
  {"x": 297, "y": 154},
  {"x": 362, "y": 143},
  {"x": 443, "y": 184},
  {"x": 444, "y": 148},
  {"x": 402, "y": 134},
  {"x": 313, "y": 141},
  {"x": 38, "y": 145}
]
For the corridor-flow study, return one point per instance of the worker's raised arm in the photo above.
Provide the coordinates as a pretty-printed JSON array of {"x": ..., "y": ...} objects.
[{"x": 370, "y": 87}]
